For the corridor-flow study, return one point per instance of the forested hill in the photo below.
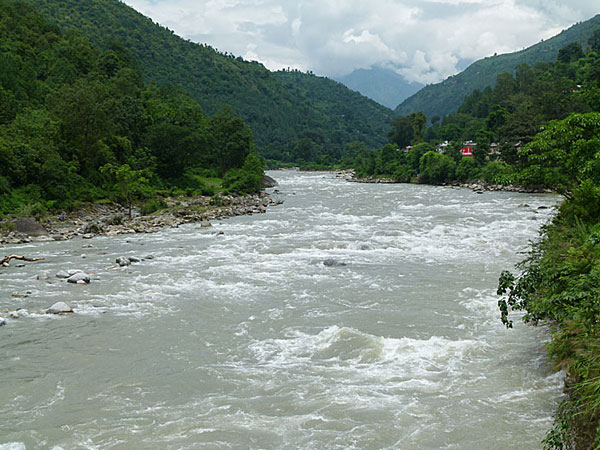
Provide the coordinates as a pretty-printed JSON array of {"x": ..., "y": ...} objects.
[
  {"x": 277, "y": 116},
  {"x": 446, "y": 97}
]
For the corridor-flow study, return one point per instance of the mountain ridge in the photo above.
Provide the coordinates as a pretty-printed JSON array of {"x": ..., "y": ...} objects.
[
  {"x": 277, "y": 116},
  {"x": 445, "y": 97}
]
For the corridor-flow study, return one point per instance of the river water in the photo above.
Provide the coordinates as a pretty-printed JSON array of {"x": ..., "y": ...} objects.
[{"x": 247, "y": 340}]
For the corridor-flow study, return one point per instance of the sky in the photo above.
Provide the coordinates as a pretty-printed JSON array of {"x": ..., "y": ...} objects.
[{"x": 423, "y": 40}]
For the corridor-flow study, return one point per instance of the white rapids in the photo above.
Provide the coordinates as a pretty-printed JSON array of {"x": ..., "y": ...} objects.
[{"x": 353, "y": 316}]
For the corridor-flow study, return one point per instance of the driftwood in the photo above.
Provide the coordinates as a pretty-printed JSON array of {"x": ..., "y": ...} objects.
[{"x": 7, "y": 259}]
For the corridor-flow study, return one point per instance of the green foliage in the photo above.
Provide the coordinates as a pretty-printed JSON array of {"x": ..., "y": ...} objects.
[
  {"x": 278, "y": 107},
  {"x": 152, "y": 206},
  {"x": 248, "y": 179},
  {"x": 497, "y": 172},
  {"x": 570, "y": 53},
  {"x": 128, "y": 184},
  {"x": 402, "y": 132},
  {"x": 78, "y": 124},
  {"x": 594, "y": 41},
  {"x": 467, "y": 170},
  {"x": 436, "y": 168},
  {"x": 565, "y": 153}
]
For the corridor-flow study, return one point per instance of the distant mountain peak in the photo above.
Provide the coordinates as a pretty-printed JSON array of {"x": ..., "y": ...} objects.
[{"x": 383, "y": 85}]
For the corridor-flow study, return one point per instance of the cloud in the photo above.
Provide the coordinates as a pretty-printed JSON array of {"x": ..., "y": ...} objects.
[{"x": 424, "y": 40}]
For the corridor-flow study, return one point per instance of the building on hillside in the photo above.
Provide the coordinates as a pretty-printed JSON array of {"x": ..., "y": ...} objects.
[
  {"x": 494, "y": 149},
  {"x": 467, "y": 148},
  {"x": 443, "y": 147}
]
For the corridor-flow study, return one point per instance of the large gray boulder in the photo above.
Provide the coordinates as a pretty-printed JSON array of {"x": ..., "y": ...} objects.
[
  {"x": 29, "y": 227},
  {"x": 123, "y": 261},
  {"x": 59, "y": 308},
  {"x": 269, "y": 182},
  {"x": 79, "y": 278}
]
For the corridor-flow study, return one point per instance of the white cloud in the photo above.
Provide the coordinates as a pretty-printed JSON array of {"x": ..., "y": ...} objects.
[{"x": 425, "y": 40}]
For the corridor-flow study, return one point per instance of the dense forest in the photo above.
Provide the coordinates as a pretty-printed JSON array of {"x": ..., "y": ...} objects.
[
  {"x": 78, "y": 124},
  {"x": 443, "y": 98},
  {"x": 281, "y": 108}
]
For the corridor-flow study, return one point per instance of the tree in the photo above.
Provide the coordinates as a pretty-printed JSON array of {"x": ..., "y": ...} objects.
[
  {"x": 419, "y": 120},
  {"x": 436, "y": 168},
  {"x": 594, "y": 41},
  {"x": 565, "y": 153},
  {"x": 570, "y": 53},
  {"x": 467, "y": 170},
  {"x": 130, "y": 184},
  {"x": 402, "y": 132}
]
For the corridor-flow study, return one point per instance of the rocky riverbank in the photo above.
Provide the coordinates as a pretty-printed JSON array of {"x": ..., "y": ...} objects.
[
  {"x": 476, "y": 186},
  {"x": 112, "y": 219}
]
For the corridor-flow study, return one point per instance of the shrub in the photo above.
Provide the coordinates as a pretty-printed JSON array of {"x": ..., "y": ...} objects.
[{"x": 152, "y": 206}]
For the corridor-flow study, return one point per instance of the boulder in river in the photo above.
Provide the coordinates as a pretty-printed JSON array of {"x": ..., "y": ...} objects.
[
  {"x": 63, "y": 274},
  {"x": 79, "y": 278},
  {"x": 333, "y": 263},
  {"x": 269, "y": 182},
  {"x": 123, "y": 261},
  {"x": 59, "y": 308},
  {"x": 29, "y": 227},
  {"x": 2, "y": 322}
]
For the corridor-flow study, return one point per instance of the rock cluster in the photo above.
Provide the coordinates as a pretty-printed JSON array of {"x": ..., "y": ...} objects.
[{"x": 111, "y": 220}]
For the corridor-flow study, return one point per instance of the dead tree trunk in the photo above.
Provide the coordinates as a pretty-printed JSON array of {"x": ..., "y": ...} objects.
[{"x": 7, "y": 259}]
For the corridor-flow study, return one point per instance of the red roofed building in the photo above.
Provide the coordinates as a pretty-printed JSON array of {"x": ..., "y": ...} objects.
[{"x": 467, "y": 148}]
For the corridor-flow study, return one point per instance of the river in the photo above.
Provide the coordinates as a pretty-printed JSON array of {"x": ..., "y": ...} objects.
[{"x": 240, "y": 337}]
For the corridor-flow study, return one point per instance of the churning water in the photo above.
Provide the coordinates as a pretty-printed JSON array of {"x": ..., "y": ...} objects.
[{"x": 247, "y": 339}]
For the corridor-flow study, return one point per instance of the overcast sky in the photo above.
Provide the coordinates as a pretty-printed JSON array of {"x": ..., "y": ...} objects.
[{"x": 424, "y": 40}]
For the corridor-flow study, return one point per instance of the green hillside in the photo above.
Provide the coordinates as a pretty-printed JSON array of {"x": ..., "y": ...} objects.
[
  {"x": 445, "y": 97},
  {"x": 276, "y": 115},
  {"x": 77, "y": 125}
]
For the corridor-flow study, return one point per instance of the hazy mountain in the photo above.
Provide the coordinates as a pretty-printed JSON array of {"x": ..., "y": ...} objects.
[
  {"x": 445, "y": 97},
  {"x": 384, "y": 86}
]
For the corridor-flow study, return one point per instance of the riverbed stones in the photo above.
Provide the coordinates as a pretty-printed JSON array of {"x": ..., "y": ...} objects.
[
  {"x": 62, "y": 274},
  {"x": 2, "y": 322},
  {"x": 42, "y": 276},
  {"x": 92, "y": 228},
  {"x": 333, "y": 263},
  {"x": 123, "y": 261},
  {"x": 60, "y": 308},
  {"x": 79, "y": 278}
]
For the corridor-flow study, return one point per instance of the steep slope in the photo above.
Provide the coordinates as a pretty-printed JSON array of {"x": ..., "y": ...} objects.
[
  {"x": 384, "y": 86},
  {"x": 445, "y": 97},
  {"x": 276, "y": 115}
]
